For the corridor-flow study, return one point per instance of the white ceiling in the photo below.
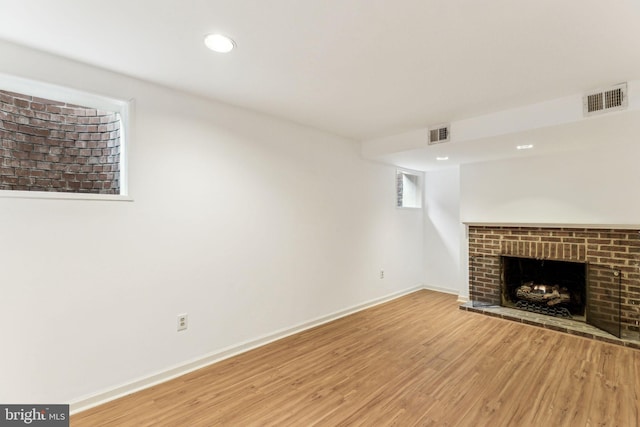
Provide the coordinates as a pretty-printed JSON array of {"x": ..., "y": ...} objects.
[{"x": 358, "y": 68}]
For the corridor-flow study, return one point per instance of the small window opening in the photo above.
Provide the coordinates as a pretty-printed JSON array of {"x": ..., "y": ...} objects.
[{"x": 409, "y": 189}]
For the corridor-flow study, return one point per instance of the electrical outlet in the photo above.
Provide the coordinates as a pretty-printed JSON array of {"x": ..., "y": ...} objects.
[
  {"x": 182, "y": 322},
  {"x": 382, "y": 274}
]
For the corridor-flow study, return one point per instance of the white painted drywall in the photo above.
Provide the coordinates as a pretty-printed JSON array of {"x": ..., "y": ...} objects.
[
  {"x": 249, "y": 224},
  {"x": 443, "y": 230},
  {"x": 596, "y": 186}
]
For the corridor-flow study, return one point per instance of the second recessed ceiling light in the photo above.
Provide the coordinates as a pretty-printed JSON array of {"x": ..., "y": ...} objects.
[{"x": 219, "y": 43}]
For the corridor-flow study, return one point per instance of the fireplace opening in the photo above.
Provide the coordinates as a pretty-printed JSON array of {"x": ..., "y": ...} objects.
[{"x": 550, "y": 287}]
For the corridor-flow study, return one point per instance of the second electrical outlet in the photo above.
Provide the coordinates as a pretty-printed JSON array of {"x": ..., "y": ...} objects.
[{"x": 182, "y": 322}]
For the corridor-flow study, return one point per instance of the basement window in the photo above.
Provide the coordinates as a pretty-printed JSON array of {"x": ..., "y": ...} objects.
[
  {"x": 57, "y": 142},
  {"x": 408, "y": 189}
]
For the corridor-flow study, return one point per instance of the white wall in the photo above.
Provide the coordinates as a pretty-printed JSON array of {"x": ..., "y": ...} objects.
[
  {"x": 588, "y": 187},
  {"x": 249, "y": 224},
  {"x": 443, "y": 231}
]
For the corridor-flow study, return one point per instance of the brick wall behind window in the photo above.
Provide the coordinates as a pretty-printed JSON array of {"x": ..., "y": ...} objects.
[{"x": 47, "y": 145}]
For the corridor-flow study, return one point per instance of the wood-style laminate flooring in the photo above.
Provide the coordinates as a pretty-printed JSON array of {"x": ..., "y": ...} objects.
[{"x": 414, "y": 361}]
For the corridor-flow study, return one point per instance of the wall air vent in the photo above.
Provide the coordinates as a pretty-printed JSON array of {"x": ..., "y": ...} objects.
[
  {"x": 438, "y": 134},
  {"x": 601, "y": 101}
]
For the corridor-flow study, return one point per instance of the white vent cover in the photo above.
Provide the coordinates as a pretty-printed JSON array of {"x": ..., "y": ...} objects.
[
  {"x": 438, "y": 134},
  {"x": 600, "y": 101}
]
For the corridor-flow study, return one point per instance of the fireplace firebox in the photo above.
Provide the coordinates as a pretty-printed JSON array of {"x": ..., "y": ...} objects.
[{"x": 550, "y": 287}]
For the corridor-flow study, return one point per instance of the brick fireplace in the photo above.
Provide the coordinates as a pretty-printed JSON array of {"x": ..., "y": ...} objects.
[{"x": 611, "y": 256}]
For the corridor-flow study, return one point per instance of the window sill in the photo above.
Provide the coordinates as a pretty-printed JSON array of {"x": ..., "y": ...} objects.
[{"x": 11, "y": 194}]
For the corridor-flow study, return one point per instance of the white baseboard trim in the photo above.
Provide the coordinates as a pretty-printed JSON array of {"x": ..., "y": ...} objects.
[
  {"x": 441, "y": 289},
  {"x": 184, "y": 368},
  {"x": 461, "y": 298}
]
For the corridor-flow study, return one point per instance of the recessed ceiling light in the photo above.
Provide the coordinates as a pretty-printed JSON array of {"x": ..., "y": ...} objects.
[
  {"x": 442, "y": 158},
  {"x": 525, "y": 147},
  {"x": 219, "y": 43}
]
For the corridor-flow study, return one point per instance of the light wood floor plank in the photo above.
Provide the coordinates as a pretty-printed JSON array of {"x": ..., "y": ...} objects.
[{"x": 415, "y": 361}]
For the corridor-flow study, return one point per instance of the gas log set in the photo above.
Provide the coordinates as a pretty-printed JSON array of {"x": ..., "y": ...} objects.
[{"x": 544, "y": 299}]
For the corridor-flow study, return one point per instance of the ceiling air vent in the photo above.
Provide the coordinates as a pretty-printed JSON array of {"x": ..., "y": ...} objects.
[
  {"x": 600, "y": 101},
  {"x": 438, "y": 134}
]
